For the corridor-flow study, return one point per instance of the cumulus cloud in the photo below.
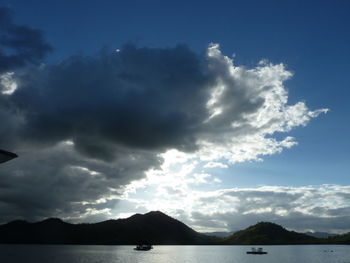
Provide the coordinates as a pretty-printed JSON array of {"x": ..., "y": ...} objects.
[
  {"x": 138, "y": 98},
  {"x": 56, "y": 181},
  {"x": 19, "y": 44},
  {"x": 89, "y": 127},
  {"x": 215, "y": 165},
  {"x": 119, "y": 99}
]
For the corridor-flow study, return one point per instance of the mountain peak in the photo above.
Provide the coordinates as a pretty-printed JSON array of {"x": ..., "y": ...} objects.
[
  {"x": 267, "y": 225},
  {"x": 155, "y": 213},
  {"x": 52, "y": 221},
  {"x": 269, "y": 234}
]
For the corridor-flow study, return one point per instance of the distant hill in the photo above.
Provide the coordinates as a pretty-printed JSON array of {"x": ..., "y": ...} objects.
[
  {"x": 339, "y": 239},
  {"x": 153, "y": 227},
  {"x": 218, "y": 234},
  {"x": 320, "y": 234},
  {"x": 265, "y": 233}
]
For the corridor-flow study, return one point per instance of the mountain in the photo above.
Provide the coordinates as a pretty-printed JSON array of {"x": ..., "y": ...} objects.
[
  {"x": 153, "y": 227},
  {"x": 339, "y": 239},
  {"x": 265, "y": 233},
  {"x": 218, "y": 234},
  {"x": 320, "y": 234}
]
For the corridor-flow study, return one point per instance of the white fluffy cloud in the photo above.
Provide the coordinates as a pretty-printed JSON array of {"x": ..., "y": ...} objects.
[{"x": 247, "y": 106}]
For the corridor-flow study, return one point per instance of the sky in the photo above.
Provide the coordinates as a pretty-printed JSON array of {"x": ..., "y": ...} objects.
[{"x": 218, "y": 114}]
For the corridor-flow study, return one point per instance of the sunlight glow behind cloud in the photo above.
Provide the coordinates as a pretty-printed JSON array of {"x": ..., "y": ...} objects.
[{"x": 7, "y": 83}]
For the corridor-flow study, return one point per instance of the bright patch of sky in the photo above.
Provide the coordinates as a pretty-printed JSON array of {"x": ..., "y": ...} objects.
[{"x": 7, "y": 83}]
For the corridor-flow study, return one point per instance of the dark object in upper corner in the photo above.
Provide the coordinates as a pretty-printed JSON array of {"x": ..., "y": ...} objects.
[{"x": 6, "y": 156}]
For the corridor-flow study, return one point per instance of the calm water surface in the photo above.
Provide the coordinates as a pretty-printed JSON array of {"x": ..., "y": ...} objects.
[{"x": 172, "y": 254}]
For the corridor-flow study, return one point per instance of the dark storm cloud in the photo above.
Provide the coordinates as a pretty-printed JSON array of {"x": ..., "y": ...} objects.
[
  {"x": 115, "y": 113},
  {"x": 19, "y": 44},
  {"x": 139, "y": 98},
  {"x": 56, "y": 181},
  {"x": 153, "y": 100}
]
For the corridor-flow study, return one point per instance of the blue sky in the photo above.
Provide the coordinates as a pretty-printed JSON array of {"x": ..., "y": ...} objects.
[{"x": 311, "y": 39}]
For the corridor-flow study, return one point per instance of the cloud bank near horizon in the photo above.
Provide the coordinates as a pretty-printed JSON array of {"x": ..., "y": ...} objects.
[
  {"x": 322, "y": 208},
  {"x": 202, "y": 201}
]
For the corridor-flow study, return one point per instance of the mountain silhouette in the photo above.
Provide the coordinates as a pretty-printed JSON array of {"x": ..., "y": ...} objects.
[
  {"x": 321, "y": 234},
  {"x": 153, "y": 227},
  {"x": 266, "y": 233},
  {"x": 339, "y": 239}
]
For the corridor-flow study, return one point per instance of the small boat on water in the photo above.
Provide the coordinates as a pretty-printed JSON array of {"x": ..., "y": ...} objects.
[
  {"x": 143, "y": 247},
  {"x": 258, "y": 251}
]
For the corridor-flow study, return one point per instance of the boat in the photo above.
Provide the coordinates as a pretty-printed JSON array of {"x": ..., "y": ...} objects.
[
  {"x": 143, "y": 247},
  {"x": 258, "y": 251}
]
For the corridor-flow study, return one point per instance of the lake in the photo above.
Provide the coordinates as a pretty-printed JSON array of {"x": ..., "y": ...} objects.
[{"x": 172, "y": 254}]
